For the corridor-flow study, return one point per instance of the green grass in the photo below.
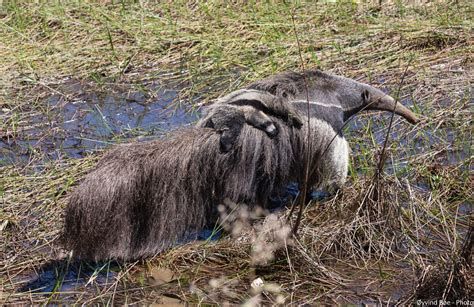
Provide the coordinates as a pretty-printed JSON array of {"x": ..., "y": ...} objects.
[{"x": 348, "y": 244}]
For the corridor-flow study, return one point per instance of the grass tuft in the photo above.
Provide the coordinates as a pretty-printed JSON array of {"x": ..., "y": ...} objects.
[{"x": 381, "y": 241}]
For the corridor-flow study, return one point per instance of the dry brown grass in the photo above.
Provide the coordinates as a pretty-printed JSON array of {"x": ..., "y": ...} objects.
[{"x": 352, "y": 248}]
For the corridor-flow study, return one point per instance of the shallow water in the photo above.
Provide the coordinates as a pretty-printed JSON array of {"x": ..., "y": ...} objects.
[
  {"x": 59, "y": 276},
  {"x": 61, "y": 281},
  {"x": 91, "y": 121},
  {"x": 77, "y": 120}
]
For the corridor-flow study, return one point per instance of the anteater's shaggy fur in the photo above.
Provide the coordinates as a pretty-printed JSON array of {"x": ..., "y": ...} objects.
[{"x": 144, "y": 197}]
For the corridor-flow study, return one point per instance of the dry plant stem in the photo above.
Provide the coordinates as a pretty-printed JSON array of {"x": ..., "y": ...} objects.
[
  {"x": 206, "y": 50},
  {"x": 303, "y": 195},
  {"x": 378, "y": 173},
  {"x": 387, "y": 135},
  {"x": 466, "y": 249}
]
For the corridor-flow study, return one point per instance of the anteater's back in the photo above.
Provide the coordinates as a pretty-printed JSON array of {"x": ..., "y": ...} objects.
[{"x": 144, "y": 197}]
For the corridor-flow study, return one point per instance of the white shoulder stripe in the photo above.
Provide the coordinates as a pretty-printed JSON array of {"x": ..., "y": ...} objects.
[{"x": 318, "y": 103}]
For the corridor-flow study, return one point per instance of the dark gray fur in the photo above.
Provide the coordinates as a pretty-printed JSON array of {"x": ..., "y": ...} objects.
[
  {"x": 327, "y": 172},
  {"x": 331, "y": 101},
  {"x": 322, "y": 87},
  {"x": 142, "y": 198},
  {"x": 333, "y": 115},
  {"x": 251, "y": 107}
]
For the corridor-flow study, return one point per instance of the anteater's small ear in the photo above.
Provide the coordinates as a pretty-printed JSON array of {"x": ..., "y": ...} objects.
[
  {"x": 366, "y": 96},
  {"x": 208, "y": 123}
]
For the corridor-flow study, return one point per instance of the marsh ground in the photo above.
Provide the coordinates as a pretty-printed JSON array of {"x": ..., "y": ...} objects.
[{"x": 77, "y": 78}]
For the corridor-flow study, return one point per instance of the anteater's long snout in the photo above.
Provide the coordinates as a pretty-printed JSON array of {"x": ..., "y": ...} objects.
[{"x": 387, "y": 103}]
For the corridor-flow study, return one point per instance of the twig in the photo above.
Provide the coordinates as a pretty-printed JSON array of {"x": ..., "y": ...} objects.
[
  {"x": 302, "y": 199},
  {"x": 384, "y": 148}
]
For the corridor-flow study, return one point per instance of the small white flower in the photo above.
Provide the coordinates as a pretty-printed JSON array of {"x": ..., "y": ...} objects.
[{"x": 257, "y": 283}]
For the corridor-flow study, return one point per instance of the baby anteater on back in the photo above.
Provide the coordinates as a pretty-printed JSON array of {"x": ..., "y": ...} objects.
[{"x": 143, "y": 198}]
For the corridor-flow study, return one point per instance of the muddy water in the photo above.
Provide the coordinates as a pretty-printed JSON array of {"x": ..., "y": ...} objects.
[
  {"x": 62, "y": 277},
  {"x": 73, "y": 127},
  {"x": 76, "y": 121}
]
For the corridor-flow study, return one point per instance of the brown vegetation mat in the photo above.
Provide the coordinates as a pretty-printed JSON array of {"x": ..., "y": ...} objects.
[{"x": 397, "y": 239}]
